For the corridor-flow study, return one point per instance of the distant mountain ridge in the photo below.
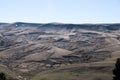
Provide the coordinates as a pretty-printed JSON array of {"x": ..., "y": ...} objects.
[{"x": 83, "y": 26}]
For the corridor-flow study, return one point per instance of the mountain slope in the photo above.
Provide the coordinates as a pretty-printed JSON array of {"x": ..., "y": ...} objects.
[{"x": 29, "y": 48}]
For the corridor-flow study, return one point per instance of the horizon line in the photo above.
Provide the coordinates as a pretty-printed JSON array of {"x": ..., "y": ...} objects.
[{"x": 61, "y": 22}]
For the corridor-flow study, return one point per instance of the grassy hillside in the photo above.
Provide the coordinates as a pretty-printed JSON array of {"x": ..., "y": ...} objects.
[
  {"x": 83, "y": 71},
  {"x": 8, "y": 72}
]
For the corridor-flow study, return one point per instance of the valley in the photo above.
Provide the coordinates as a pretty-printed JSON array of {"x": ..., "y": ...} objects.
[{"x": 56, "y": 51}]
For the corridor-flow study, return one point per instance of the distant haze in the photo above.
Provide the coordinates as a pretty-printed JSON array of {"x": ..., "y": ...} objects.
[{"x": 64, "y": 11}]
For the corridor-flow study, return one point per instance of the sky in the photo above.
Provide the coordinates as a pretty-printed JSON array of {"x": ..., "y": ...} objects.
[{"x": 62, "y": 11}]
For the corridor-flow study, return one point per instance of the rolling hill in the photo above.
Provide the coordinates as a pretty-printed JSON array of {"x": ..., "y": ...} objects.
[{"x": 30, "y": 49}]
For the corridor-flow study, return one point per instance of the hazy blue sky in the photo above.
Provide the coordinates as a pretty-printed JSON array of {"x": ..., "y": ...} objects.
[{"x": 66, "y": 11}]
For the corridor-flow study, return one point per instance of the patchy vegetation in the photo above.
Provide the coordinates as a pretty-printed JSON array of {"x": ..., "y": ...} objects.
[{"x": 29, "y": 49}]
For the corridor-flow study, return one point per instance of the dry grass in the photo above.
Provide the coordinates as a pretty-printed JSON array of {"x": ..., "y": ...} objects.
[{"x": 88, "y": 71}]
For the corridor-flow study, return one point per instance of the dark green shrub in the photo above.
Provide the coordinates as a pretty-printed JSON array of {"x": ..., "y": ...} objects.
[
  {"x": 2, "y": 76},
  {"x": 116, "y": 70}
]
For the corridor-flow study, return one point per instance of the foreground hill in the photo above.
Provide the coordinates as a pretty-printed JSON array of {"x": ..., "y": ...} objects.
[{"x": 30, "y": 48}]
